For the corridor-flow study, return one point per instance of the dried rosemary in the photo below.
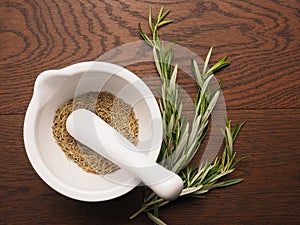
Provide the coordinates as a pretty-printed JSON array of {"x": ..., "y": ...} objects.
[{"x": 112, "y": 110}]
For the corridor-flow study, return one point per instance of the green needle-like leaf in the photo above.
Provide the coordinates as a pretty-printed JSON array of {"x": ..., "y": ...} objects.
[
  {"x": 150, "y": 19},
  {"x": 205, "y": 66}
]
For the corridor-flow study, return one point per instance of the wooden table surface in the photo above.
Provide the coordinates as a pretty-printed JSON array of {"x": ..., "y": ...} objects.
[{"x": 261, "y": 86}]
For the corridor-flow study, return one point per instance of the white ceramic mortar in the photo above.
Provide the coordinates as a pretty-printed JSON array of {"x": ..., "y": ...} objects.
[{"x": 55, "y": 87}]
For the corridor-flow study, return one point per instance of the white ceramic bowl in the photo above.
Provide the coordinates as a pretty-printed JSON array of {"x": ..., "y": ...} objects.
[{"x": 55, "y": 87}]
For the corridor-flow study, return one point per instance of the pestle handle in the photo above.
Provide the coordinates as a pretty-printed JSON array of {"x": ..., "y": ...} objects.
[{"x": 92, "y": 131}]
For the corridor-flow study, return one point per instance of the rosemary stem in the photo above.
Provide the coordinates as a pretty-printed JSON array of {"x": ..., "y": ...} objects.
[
  {"x": 137, "y": 212},
  {"x": 151, "y": 196},
  {"x": 145, "y": 206},
  {"x": 153, "y": 202}
]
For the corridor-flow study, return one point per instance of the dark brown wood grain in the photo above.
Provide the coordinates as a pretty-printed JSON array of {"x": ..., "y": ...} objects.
[{"x": 261, "y": 86}]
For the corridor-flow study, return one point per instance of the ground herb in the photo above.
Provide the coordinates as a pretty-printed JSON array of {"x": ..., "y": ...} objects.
[{"x": 108, "y": 107}]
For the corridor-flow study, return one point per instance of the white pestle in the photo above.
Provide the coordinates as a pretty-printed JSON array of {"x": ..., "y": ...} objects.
[{"x": 92, "y": 131}]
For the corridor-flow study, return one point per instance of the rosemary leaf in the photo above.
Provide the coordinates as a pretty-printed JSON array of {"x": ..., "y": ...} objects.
[
  {"x": 227, "y": 183},
  {"x": 196, "y": 72},
  {"x": 207, "y": 60},
  {"x": 164, "y": 15},
  {"x": 164, "y": 23},
  {"x": 145, "y": 37},
  {"x": 150, "y": 19}
]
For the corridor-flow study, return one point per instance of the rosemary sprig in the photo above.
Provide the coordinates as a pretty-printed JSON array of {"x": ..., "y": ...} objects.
[
  {"x": 200, "y": 180},
  {"x": 182, "y": 140},
  {"x": 180, "y": 144}
]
